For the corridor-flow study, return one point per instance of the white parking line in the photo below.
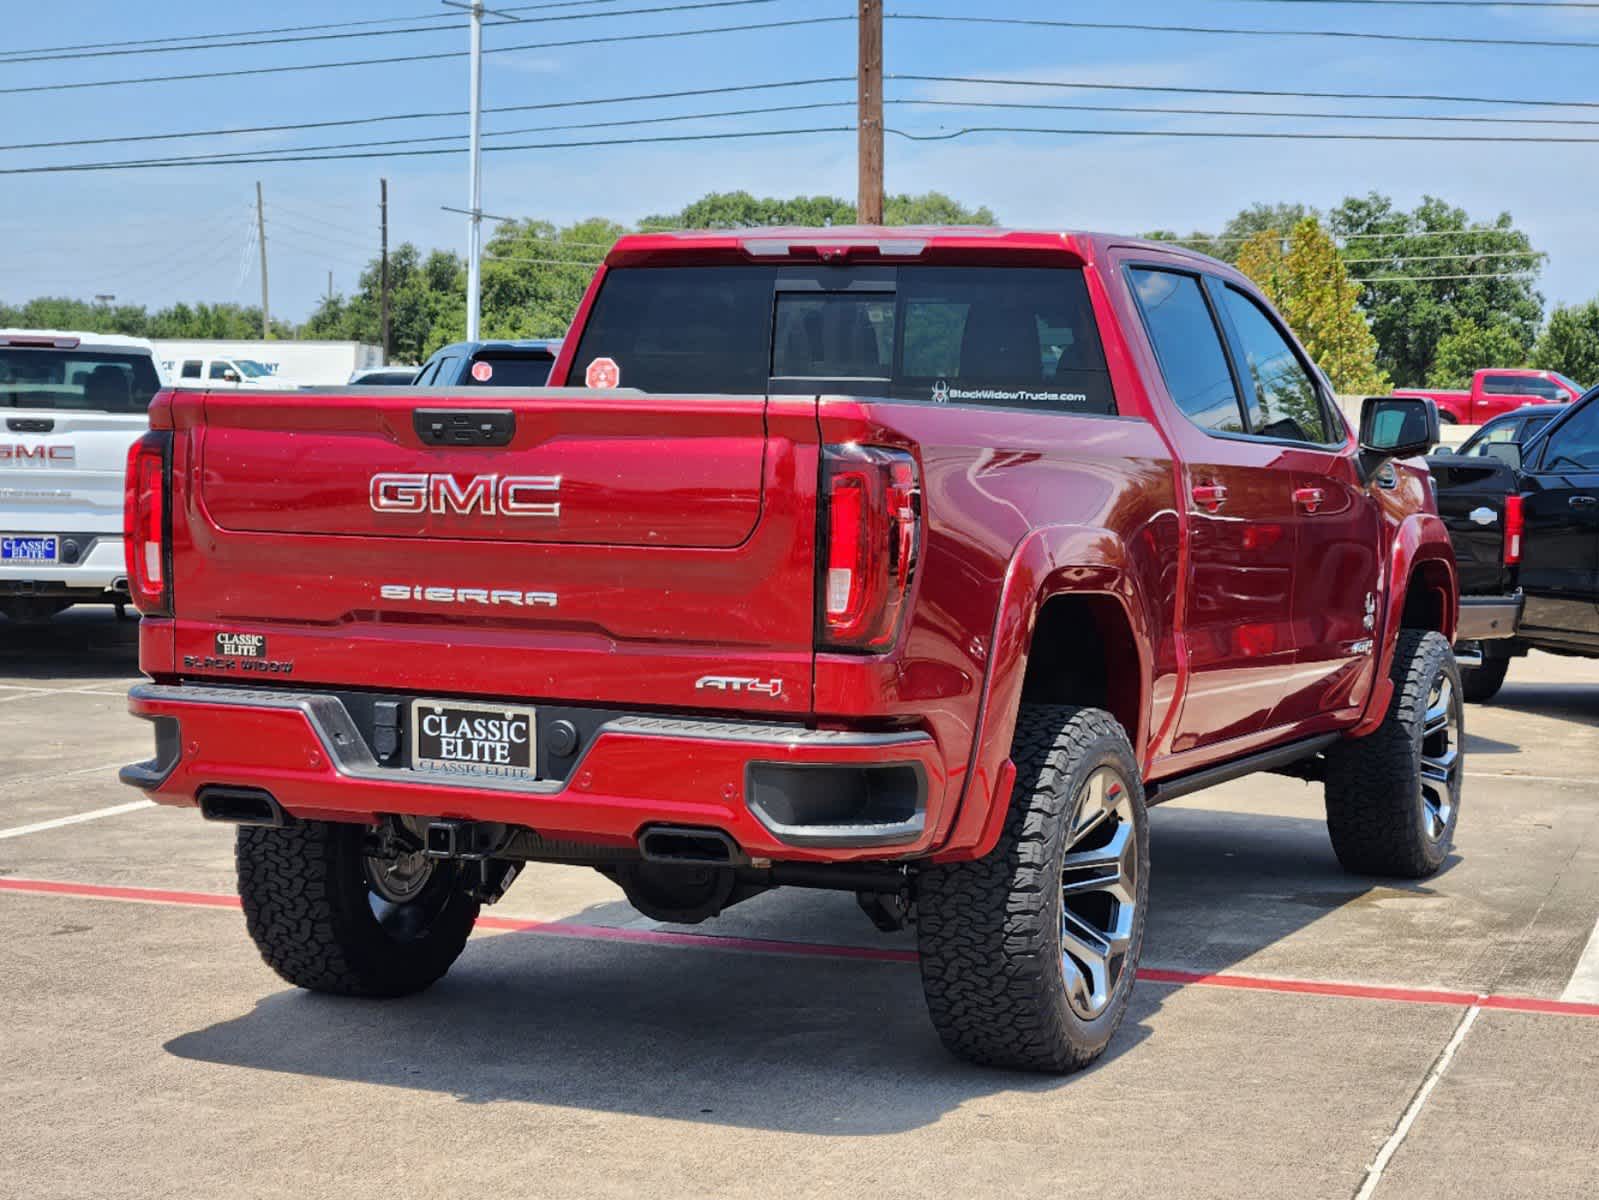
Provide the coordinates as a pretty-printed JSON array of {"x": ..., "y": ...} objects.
[
  {"x": 76, "y": 818},
  {"x": 1402, "y": 1130},
  {"x": 1584, "y": 985},
  {"x": 32, "y": 693}
]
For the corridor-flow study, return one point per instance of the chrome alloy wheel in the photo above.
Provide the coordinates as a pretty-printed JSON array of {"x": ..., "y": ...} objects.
[
  {"x": 1440, "y": 757},
  {"x": 1099, "y": 892}
]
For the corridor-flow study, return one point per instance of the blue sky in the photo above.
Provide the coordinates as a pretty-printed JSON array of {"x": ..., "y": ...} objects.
[{"x": 157, "y": 236}]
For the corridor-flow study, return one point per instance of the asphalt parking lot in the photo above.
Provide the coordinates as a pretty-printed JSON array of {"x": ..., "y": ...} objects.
[{"x": 1294, "y": 1027}]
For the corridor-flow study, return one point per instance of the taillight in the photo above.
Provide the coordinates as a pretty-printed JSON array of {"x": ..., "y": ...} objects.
[
  {"x": 872, "y": 524},
  {"x": 147, "y": 526},
  {"x": 1515, "y": 526}
]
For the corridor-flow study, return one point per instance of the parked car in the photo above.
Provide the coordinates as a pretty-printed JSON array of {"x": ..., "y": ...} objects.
[
  {"x": 1518, "y": 426},
  {"x": 72, "y": 404},
  {"x": 208, "y": 372},
  {"x": 1496, "y": 391},
  {"x": 385, "y": 377},
  {"x": 490, "y": 364},
  {"x": 1524, "y": 520},
  {"x": 909, "y": 564}
]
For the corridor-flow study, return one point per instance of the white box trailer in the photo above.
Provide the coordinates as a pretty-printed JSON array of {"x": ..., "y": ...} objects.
[{"x": 221, "y": 362}]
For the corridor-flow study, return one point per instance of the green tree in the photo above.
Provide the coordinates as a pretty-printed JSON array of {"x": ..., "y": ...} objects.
[
  {"x": 1436, "y": 275},
  {"x": 1244, "y": 227},
  {"x": 427, "y": 305},
  {"x": 740, "y": 210},
  {"x": 1570, "y": 343},
  {"x": 1468, "y": 347},
  {"x": 213, "y": 321},
  {"x": 1305, "y": 279},
  {"x": 534, "y": 274}
]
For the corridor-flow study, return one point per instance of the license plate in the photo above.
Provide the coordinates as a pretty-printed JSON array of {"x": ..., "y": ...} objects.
[
  {"x": 29, "y": 548},
  {"x": 491, "y": 741}
]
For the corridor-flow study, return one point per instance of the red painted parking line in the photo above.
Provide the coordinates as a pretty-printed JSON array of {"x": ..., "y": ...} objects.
[{"x": 742, "y": 945}]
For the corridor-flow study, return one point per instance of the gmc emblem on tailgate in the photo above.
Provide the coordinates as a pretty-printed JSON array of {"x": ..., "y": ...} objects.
[
  {"x": 15, "y": 453},
  {"x": 508, "y": 495}
]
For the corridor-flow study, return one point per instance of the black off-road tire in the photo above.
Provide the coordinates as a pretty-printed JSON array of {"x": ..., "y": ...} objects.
[
  {"x": 990, "y": 930},
  {"x": 1482, "y": 684},
  {"x": 308, "y": 906},
  {"x": 1377, "y": 814}
]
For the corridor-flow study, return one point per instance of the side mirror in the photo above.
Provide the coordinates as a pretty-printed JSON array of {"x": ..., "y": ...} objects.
[
  {"x": 1395, "y": 427},
  {"x": 1508, "y": 453}
]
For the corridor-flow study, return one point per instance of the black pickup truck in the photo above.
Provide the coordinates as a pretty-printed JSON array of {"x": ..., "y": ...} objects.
[{"x": 1524, "y": 519}]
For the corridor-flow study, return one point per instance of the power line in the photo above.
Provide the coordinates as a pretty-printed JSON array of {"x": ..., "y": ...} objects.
[
  {"x": 1219, "y": 91},
  {"x": 1439, "y": 278},
  {"x": 431, "y": 57},
  {"x": 548, "y": 262},
  {"x": 1442, "y": 257},
  {"x": 349, "y": 121},
  {"x": 1350, "y": 34},
  {"x": 233, "y": 155},
  {"x": 1251, "y": 112},
  {"x": 232, "y": 162},
  {"x": 1498, "y": 138},
  {"x": 198, "y": 37},
  {"x": 366, "y": 33},
  {"x": 1563, "y": 4},
  {"x": 1353, "y": 237}
]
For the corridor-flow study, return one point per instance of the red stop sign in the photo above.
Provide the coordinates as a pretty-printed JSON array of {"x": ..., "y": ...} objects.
[{"x": 603, "y": 373}]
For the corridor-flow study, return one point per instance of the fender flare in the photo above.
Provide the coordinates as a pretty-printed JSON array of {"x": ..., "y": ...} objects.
[
  {"x": 1051, "y": 561},
  {"x": 1422, "y": 538}
]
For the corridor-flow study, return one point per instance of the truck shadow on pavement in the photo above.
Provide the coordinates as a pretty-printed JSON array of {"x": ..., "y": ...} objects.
[
  {"x": 80, "y": 644},
  {"x": 822, "y": 1046},
  {"x": 1564, "y": 701}
]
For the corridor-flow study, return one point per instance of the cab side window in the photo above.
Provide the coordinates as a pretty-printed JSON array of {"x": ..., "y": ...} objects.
[
  {"x": 219, "y": 369},
  {"x": 191, "y": 368},
  {"x": 1575, "y": 445},
  {"x": 1286, "y": 403},
  {"x": 1189, "y": 348}
]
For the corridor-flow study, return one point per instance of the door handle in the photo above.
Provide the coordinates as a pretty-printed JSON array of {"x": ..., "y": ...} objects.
[
  {"x": 1583, "y": 501},
  {"x": 1210, "y": 496},
  {"x": 1309, "y": 498}
]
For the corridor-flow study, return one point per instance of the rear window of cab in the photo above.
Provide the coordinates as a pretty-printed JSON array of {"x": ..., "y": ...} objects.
[{"x": 1012, "y": 337}]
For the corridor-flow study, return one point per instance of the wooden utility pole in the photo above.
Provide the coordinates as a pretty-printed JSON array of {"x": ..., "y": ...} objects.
[
  {"x": 260, "y": 236},
  {"x": 383, "y": 268},
  {"x": 869, "y": 115}
]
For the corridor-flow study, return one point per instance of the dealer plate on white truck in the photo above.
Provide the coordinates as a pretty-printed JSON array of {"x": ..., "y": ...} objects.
[
  {"x": 29, "y": 547},
  {"x": 491, "y": 741}
]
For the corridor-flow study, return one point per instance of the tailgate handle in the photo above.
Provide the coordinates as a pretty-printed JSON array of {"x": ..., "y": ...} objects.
[
  {"x": 464, "y": 426},
  {"x": 30, "y": 424}
]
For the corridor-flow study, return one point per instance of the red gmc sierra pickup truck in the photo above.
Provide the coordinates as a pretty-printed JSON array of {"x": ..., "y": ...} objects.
[{"x": 914, "y": 563}]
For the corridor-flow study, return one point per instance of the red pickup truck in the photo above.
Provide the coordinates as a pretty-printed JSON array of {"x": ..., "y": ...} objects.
[
  {"x": 912, "y": 563},
  {"x": 1498, "y": 390}
]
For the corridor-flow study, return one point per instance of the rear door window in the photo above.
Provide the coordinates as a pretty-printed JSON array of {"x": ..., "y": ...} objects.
[
  {"x": 87, "y": 380},
  {"x": 682, "y": 329},
  {"x": 1011, "y": 337},
  {"x": 1188, "y": 345},
  {"x": 1022, "y": 337},
  {"x": 191, "y": 368},
  {"x": 523, "y": 369}
]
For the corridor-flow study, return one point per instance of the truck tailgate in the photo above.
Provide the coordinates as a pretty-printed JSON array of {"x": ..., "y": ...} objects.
[
  {"x": 1471, "y": 495},
  {"x": 61, "y": 470},
  {"x": 607, "y": 547}
]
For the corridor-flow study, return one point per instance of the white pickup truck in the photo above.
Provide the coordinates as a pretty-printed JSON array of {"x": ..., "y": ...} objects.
[{"x": 71, "y": 404}]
